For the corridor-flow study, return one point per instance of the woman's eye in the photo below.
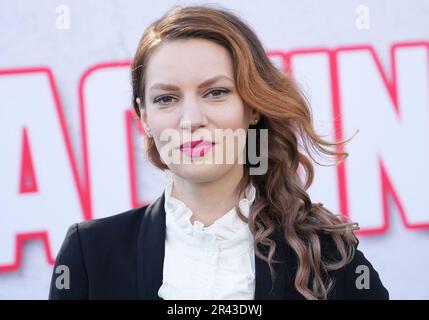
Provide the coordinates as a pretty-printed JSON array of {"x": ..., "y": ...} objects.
[
  {"x": 218, "y": 92},
  {"x": 163, "y": 99},
  {"x": 215, "y": 93}
]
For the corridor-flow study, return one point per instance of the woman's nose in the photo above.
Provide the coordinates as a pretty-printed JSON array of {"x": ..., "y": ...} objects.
[{"x": 193, "y": 116}]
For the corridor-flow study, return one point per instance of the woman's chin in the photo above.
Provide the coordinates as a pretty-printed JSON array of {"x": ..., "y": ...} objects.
[{"x": 200, "y": 172}]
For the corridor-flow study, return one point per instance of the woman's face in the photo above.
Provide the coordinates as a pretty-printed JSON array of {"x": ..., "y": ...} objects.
[{"x": 190, "y": 94}]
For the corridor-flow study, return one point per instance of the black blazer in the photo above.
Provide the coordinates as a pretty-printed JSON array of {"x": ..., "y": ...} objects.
[{"x": 122, "y": 257}]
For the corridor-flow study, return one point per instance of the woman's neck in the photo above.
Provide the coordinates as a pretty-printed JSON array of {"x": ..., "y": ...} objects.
[{"x": 208, "y": 201}]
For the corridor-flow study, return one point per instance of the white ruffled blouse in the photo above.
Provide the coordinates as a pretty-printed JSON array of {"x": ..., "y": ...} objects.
[{"x": 214, "y": 262}]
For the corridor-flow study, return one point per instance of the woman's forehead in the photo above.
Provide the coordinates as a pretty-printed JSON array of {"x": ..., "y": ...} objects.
[{"x": 196, "y": 59}]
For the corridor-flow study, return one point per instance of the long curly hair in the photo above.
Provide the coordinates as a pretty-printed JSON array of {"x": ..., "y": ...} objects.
[{"x": 281, "y": 203}]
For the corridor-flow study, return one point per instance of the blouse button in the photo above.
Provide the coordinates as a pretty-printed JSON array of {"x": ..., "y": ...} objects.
[{"x": 209, "y": 252}]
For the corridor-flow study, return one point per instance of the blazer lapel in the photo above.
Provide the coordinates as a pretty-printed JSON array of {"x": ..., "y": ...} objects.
[{"x": 150, "y": 250}]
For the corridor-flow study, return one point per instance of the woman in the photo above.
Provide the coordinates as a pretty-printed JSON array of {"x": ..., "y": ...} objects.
[{"x": 221, "y": 229}]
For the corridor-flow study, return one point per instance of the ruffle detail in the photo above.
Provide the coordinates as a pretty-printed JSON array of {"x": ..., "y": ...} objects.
[{"x": 226, "y": 232}]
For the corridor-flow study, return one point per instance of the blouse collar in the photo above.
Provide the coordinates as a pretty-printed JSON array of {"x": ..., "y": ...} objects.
[{"x": 225, "y": 229}]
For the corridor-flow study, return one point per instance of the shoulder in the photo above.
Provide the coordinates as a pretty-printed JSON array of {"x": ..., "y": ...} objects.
[
  {"x": 112, "y": 226},
  {"x": 358, "y": 279},
  {"x": 97, "y": 237},
  {"x": 95, "y": 250}
]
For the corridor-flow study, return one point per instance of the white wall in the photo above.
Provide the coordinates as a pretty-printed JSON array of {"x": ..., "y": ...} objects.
[{"x": 108, "y": 31}]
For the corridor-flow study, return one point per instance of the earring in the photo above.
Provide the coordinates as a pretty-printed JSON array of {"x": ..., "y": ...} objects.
[
  {"x": 255, "y": 121},
  {"x": 148, "y": 133}
]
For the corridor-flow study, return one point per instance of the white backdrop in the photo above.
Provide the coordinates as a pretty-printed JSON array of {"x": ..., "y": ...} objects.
[{"x": 64, "y": 88}]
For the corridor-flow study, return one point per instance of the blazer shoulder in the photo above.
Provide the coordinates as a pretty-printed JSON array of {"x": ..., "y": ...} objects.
[
  {"x": 358, "y": 279},
  {"x": 87, "y": 245},
  {"x": 112, "y": 225}
]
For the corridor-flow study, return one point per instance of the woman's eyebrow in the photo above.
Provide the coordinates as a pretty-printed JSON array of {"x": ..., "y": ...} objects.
[{"x": 171, "y": 87}]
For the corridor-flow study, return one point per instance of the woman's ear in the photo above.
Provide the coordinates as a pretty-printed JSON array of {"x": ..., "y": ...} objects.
[{"x": 143, "y": 117}]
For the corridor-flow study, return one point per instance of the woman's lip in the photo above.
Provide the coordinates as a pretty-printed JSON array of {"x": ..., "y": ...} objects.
[
  {"x": 199, "y": 150},
  {"x": 193, "y": 144}
]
